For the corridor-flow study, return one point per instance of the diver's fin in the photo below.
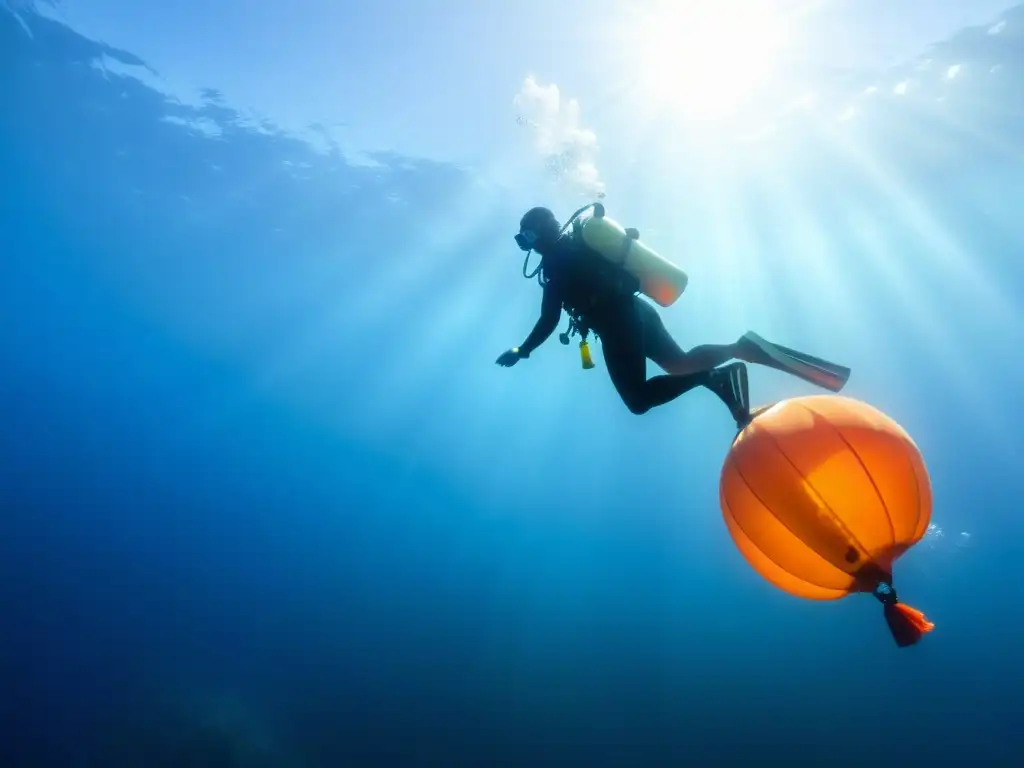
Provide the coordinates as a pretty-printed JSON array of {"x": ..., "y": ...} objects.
[
  {"x": 741, "y": 386},
  {"x": 730, "y": 383},
  {"x": 811, "y": 369},
  {"x": 841, "y": 371}
]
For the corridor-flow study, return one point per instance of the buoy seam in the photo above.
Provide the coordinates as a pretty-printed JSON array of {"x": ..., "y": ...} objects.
[
  {"x": 835, "y": 518},
  {"x": 863, "y": 466},
  {"x": 771, "y": 512}
]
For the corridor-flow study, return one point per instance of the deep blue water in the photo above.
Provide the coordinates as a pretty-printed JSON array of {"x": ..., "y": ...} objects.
[{"x": 209, "y": 557}]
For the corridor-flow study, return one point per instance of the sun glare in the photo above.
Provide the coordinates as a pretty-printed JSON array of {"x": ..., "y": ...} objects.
[{"x": 706, "y": 59}]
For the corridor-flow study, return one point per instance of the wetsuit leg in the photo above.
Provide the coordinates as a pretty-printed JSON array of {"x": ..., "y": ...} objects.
[
  {"x": 663, "y": 350},
  {"x": 626, "y": 359},
  {"x": 659, "y": 346}
]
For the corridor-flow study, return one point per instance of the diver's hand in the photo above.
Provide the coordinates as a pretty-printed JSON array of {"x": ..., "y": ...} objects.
[
  {"x": 510, "y": 358},
  {"x": 632, "y": 233}
]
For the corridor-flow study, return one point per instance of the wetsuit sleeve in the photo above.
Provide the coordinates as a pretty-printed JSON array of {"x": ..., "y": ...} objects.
[{"x": 550, "y": 314}]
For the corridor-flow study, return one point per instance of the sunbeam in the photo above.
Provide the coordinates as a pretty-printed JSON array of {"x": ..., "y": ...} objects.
[
  {"x": 702, "y": 61},
  {"x": 958, "y": 264}
]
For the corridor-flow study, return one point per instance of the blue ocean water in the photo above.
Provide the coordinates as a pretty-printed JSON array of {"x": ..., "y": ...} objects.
[{"x": 266, "y": 500}]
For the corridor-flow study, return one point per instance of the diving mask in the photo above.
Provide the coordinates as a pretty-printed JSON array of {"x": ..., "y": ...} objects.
[{"x": 526, "y": 239}]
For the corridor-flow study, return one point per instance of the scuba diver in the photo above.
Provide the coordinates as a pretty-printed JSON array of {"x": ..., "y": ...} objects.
[{"x": 600, "y": 296}]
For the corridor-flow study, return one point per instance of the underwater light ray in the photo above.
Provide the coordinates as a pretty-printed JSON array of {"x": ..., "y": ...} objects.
[
  {"x": 385, "y": 295},
  {"x": 979, "y": 99},
  {"x": 772, "y": 272},
  {"x": 518, "y": 431},
  {"x": 924, "y": 322},
  {"x": 808, "y": 251},
  {"x": 433, "y": 251},
  {"x": 450, "y": 369},
  {"x": 956, "y": 261},
  {"x": 425, "y": 359},
  {"x": 704, "y": 61},
  {"x": 709, "y": 237},
  {"x": 721, "y": 247},
  {"x": 460, "y": 309},
  {"x": 977, "y": 135},
  {"x": 750, "y": 266},
  {"x": 942, "y": 128},
  {"x": 738, "y": 279},
  {"x": 862, "y": 227},
  {"x": 718, "y": 246}
]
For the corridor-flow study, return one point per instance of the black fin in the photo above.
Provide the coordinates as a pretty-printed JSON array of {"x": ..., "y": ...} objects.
[{"x": 813, "y": 370}]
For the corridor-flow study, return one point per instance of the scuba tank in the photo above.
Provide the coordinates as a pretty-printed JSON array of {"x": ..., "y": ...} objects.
[{"x": 660, "y": 279}]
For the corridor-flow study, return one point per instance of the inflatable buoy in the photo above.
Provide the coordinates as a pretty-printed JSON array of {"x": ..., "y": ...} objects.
[{"x": 821, "y": 495}]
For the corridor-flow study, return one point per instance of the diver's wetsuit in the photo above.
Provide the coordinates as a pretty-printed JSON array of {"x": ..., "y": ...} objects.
[{"x": 602, "y": 296}]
